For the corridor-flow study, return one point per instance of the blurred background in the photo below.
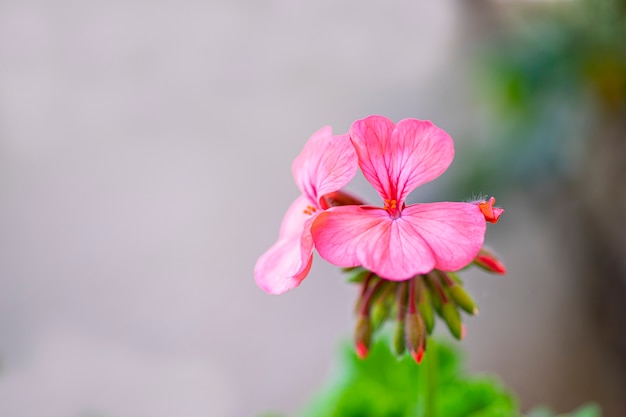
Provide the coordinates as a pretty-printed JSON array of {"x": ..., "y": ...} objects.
[{"x": 145, "y": 163}]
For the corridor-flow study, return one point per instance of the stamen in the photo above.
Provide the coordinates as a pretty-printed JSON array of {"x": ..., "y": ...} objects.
[
  {"x": 391, "y": 205},
  {"x": 310, "y": 210}
]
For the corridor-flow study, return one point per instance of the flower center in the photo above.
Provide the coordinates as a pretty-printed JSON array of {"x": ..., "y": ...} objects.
[
  {"x": 391, "y": 206},
  {"x": 310, "y": 210}
]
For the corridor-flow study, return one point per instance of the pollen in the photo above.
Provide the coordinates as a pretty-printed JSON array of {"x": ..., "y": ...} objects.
[
  {"x": 391, "y": 205},
  {"x": 310, "y": 210}
]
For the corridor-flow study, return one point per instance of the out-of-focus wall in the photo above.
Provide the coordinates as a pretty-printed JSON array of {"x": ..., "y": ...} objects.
[{"x": 145, "y": 152}]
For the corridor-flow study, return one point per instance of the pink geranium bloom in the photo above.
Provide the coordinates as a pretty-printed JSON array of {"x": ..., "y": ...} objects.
[
  {"x": 398, "y": 242},
  {"x": 326, "y": 164}
]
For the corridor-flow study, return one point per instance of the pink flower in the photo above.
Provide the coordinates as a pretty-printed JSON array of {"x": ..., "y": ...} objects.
[
  {"x": 398, "y": 242},
  {"x": 326, "y": 164}
]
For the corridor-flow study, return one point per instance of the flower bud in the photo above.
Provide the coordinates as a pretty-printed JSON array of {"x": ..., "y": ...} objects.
[
  {"x": 380, "y": 312},
  {"x": 399, "y": 343},
  {"x": 415, "y": 330},
  {"x": 362, "y": 336},
  {"x": 425, "y": 307},
  {"x": 488, "y": 261},
  {"x": 463, "y": 299},
  {"x": 453, "y": 319}
]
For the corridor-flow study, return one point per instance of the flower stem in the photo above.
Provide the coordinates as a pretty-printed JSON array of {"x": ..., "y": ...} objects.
[{"x": 431, "y": 381}]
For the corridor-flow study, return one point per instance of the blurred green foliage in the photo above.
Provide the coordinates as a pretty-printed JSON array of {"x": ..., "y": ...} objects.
[
  {"x": 384, "y": 386},
  {"x": 546, "y": 83}
]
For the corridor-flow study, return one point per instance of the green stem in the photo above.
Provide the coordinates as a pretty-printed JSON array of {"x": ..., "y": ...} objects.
[{"x": 431, "y": 380}]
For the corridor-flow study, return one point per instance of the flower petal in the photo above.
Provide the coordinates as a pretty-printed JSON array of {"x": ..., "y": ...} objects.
[
  {"x": 454, "y": 231},
  {"x": 422, "y": 153},
  {"x": 371, "y": 137},
  {"x": 445, "y": 236},
  {"x": 396, "y": 159},
  {"x": 350, "y": 236},
  {"x": 326, "y": 164},
  {"x": 286, "y": 263},
  {"x": 295, "y": 217}
]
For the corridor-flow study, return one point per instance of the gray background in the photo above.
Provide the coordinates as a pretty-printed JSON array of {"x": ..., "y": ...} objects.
[{"x": 145, "y": 154}]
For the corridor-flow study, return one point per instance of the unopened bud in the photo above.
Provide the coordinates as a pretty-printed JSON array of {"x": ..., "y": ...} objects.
[
  {"x": 463, "y": 299},
  {"x": 380, "y": 312},
  {"x": 426, "y": 309},
  {"x": 489, "y": 262},
  {"x": 415, "y": 335},
  {"x": 362, "y": 336},
  {"x": 419, "y": 355},
  {"x": 453, "y": 319}
]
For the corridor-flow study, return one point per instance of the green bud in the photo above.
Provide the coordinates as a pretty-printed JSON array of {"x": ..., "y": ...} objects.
[
  {"x": 426, "y": 311},
  {"x": 379, "y": 313},
  {"x": 453, "y": 319},
  {"x": 415, "y": 330},
  {"x": 463, "y": 299}
]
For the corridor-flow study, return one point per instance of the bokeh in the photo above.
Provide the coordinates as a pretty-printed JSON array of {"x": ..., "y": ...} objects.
[{"x": 145, "y": 163}]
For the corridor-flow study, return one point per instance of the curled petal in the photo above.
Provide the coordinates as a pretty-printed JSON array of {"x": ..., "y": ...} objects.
[
  {"x": 396, "y": 159},
  {"x": 454, "y": 231},
  {"x": 326, "y": 164},
  {"x": 492, "y": 214},
  {"x": 286, "y": 263}
]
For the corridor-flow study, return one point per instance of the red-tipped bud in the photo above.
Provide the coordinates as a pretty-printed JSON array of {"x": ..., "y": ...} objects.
[
  {"x": 491, "y": 213},
  {"x": 415, "y": 335},
  {"x": 489, "y": 262},
  {"x": 361, "y": 350},
  {"x": 362, "y": 336},
  {"x": 419, "y": 355}
]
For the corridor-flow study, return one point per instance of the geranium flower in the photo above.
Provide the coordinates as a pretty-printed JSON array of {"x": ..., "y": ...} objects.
[
  {"x": 325, "y": 165},
  {"x": 396, "y": 241}
]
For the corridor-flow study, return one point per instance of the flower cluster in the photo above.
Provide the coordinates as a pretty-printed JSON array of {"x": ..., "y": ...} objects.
[{"x": 403, "y": 255}]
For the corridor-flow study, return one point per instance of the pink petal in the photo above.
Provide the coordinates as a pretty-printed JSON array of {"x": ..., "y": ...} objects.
[
  {"x": 371, "y": 137},
  {"x": 446, "y": 236},
  {"x": 396, "y": 159},
  {"x": 286, "y": 263},
  {"x": 454, "y": 231},
  {"x": 295, "y": 217},
  {"x": 326, "y": 164},
  {"x": 423, "y": 152},
  {"x": 367, "y": 236}
]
